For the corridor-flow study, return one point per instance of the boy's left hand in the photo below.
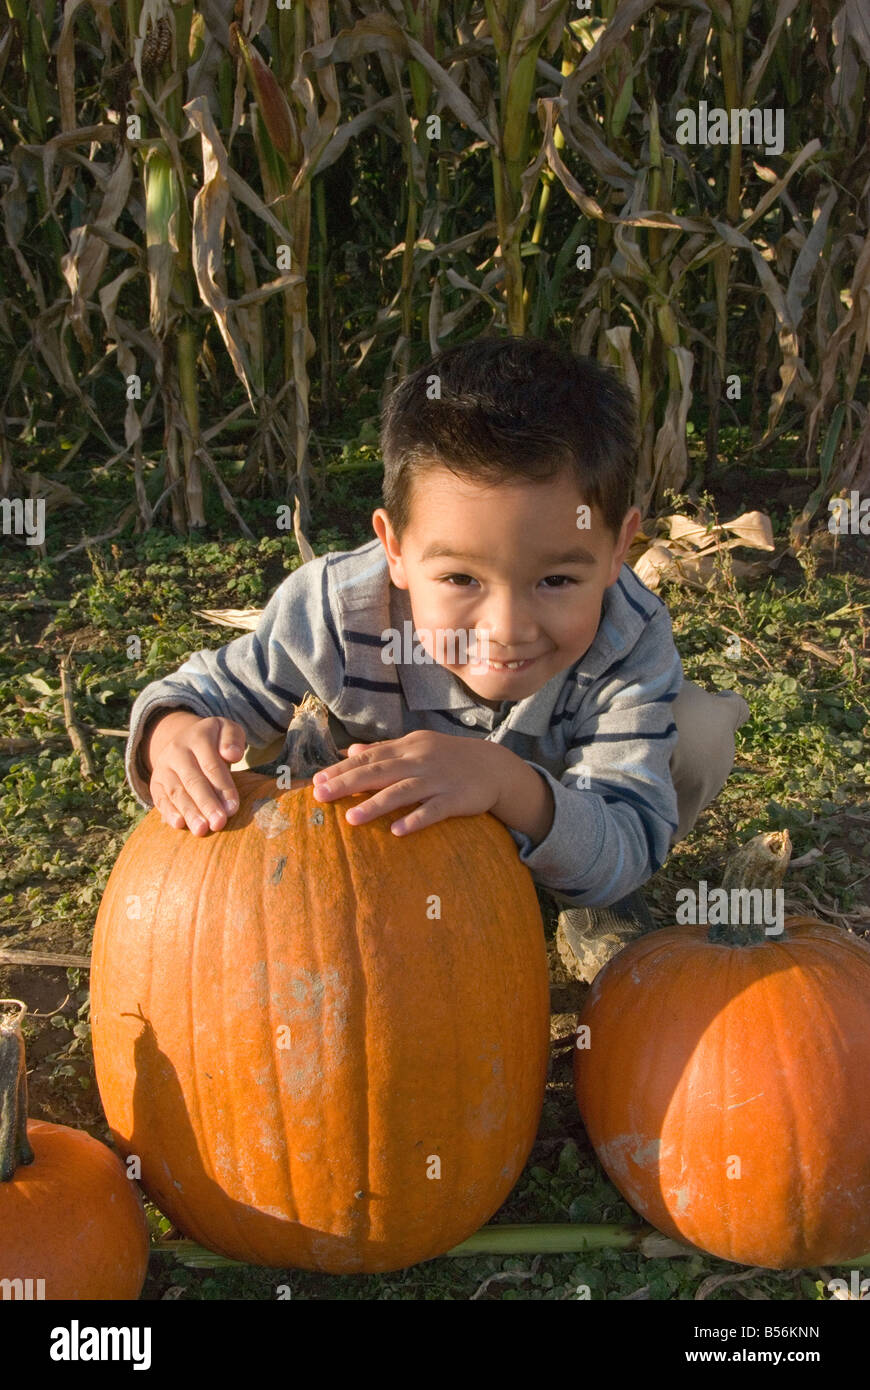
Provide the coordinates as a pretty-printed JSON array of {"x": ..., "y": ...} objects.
[{"x": 449, "y": 776}]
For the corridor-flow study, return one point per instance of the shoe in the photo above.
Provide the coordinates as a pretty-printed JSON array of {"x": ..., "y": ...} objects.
[{"x": 588, "y": 937}]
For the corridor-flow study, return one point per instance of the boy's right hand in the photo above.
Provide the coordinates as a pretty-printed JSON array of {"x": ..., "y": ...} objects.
[{"x": 188, "y": 758}]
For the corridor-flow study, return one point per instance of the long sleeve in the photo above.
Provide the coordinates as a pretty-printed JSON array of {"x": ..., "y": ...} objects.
[{"x": 254, "y": 679}]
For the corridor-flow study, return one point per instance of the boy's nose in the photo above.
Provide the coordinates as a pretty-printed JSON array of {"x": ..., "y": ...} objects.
[{"x": 508, "y": 627}]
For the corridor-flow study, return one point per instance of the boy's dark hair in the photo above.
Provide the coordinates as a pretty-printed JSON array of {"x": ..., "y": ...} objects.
[{"x": 512, "y": 408}]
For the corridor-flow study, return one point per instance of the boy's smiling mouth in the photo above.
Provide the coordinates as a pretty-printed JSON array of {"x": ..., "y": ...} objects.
[{"x": 511, "y": 665}]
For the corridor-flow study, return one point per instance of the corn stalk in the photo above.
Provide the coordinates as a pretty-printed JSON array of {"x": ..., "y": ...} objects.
[
  {"x": 705, "y": 261},
  {"x": 518, "y": 29}
]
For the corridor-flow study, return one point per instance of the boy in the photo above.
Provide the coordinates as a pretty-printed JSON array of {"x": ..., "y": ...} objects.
[{"x": 508, "y": 477}]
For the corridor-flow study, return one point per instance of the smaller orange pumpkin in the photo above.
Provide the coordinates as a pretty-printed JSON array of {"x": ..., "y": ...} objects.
[
  {"x": 723, "y": 1083},
  {"x": 72, "y": 1224}
]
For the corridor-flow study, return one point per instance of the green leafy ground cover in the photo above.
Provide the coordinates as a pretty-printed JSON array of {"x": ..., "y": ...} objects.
[{"x": 802, "y": 763}]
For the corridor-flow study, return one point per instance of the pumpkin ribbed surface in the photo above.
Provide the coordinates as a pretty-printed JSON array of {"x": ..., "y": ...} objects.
[
  {"x": 315, "y": 1069},
  {"x": 725, "y": 1090}
]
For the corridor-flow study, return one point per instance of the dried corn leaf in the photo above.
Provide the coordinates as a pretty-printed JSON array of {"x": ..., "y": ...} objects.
[
  {"x": 808, "y": 257},
  {"x": 792, "y": 365},
  {"x": 699, "y": 36},
  {"x": 684, "y": 529},
  {"x": 670, "y": 455},
  {"x": 655, "y": 563},
  {"x": 783, "y": 11},
  {"x": 381, "y": 31},
  {"x": 201, "y": 76},
  {"x": 318, "y": 134},
  {"x": 245, "y": 618},
  {"x": 585, "y": 139},
  {"x": 82, "y": 267},
  {"x": 853, "y": 472},
  {"x": 34, "y": 484},
  {"x": 848, "y": 83},
  {"x": 209, "y": 216},
  {"x": 855, "y": 323},
  {"x": 547, "y": 106},
  {"x": 689, "y": 550},
  {"x": 775, "y": 192},
  {"x": 66, "y": 60},
  {"x": 754, "y": 528},
  {"x": 620, "y": 340},
  {"x": 699, "y": 571},
  {"x": 628, "y": 13}
]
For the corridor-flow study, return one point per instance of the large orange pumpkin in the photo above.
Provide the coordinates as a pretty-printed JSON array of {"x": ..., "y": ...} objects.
[
  {"x": 71, "y": 1221},
  {"x": 725, "y": 1087},
  {"x": 326, "y": 1043}
]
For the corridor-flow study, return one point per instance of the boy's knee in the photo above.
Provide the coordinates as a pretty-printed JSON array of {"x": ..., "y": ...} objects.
[
  {"x": 706, "y": 724},
  {"x": 704, "y": 755}
]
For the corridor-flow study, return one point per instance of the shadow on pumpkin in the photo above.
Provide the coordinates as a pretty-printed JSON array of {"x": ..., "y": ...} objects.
[{"x": 178, "y": 1178}]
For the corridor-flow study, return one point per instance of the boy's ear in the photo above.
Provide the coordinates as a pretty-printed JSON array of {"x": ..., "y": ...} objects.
[
  {"x": 387, "y": 537},
  {"x": 629, "y": 530}
]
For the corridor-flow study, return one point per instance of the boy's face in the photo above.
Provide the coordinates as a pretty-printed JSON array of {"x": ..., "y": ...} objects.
[{"x": 503, "y": 572}]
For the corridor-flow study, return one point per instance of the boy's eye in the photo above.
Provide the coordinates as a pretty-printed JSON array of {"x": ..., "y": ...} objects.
[{"x": 561, "y": 579}]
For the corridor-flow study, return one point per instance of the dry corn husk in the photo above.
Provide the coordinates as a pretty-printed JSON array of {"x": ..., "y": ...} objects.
[
  {"x": 244, "y": 618},
  {"x": 688, "y": 551},
  {"x": 274, "y": 107}
]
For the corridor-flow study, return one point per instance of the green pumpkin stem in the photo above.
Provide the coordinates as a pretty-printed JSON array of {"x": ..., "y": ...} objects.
[
  {"x": 309, "y": 745},
  {"x": 14, "y": 1148},
  {"x": 760, "y": 863}
]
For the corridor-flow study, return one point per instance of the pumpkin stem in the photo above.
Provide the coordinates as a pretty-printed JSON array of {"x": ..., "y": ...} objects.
[
  {"x": 309, "y": 745},
  {"x": 759, "y": 864},
  {"x": 14, "y": 1148}
]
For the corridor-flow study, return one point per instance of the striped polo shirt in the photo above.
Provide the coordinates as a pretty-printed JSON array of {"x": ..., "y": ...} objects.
[{"x": 600, "y": 733}]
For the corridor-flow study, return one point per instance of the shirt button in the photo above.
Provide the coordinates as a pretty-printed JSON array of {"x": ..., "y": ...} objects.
[{"x": 468, "y": 716}]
